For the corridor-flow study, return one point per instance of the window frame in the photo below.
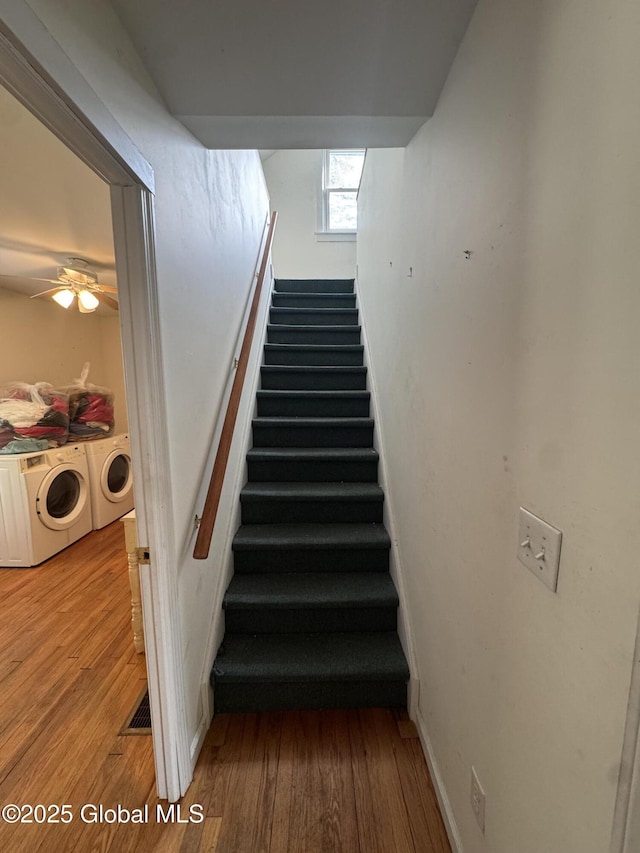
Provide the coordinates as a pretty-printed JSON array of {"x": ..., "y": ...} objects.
[{"x": 325, "y": 232}]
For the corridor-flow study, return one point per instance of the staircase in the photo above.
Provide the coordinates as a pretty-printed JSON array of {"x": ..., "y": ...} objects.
[{"x": 310, "y": 613}]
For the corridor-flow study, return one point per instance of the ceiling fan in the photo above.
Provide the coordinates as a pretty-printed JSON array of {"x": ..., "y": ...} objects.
[{"x": 76, "y": 281}]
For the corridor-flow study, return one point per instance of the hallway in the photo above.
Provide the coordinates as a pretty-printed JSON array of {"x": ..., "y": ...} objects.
[
  {"x": 312, "y": 781},
  {"x": 316, "y": 781},
  {"x": 497, "y": 287}
]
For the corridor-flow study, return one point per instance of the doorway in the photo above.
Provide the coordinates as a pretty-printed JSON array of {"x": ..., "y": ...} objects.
[
  {"x": 65, "y": 466},
  {"x": 79, "y": 119}
]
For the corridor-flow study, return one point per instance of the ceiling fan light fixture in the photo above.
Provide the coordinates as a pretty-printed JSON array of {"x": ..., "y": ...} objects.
[
  {"x": 88, "y": 301},
  {"x": 64, "y": 297},
  {"x": 77, "y": 271}
]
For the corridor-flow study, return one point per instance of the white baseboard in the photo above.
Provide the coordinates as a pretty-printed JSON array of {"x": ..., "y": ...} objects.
[
  {"x": 413, "y": 697},
  {"x": 438, "y": 784},
  {"x": 396, "y": 568},
  {"x": 206, "y": 714}
]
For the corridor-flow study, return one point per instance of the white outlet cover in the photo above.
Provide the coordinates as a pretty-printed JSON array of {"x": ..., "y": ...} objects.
[{"x": 537, "y": 537}]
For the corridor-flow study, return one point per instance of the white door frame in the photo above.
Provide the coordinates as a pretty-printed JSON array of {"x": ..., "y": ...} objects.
[{"x": 35, "y": 69}]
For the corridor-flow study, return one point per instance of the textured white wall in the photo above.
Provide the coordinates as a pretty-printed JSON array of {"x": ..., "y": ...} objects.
[
  {"x": 293, "y": 182},
  {"x": 511, "y": 378},
  {"x": 111, "y": 343},
  {"x": 210, "y": 207},
  {"x": 53, "y": 205}
]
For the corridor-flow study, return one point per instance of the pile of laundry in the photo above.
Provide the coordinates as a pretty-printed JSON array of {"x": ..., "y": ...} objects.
[
  {"x": 35, "y": 417},
  {"x": 32, "y": 417},
  {"x": 90, "y": 409}
]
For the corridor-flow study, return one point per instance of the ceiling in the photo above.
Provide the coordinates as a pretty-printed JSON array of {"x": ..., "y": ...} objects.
[
  {"x": 282, "y": 74},
  {"x": 53, "y": 206},
  {"x": 241, "y": 75}
]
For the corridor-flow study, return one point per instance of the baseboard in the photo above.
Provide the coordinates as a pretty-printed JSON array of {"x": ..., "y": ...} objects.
[
  {"x": 206, "y": 714},
  {"x": 413, "y": 697},
  {"x": 626, "y": 817},
  {"x": 438, "y": 784},
  {"x": 396, "y": 568}
]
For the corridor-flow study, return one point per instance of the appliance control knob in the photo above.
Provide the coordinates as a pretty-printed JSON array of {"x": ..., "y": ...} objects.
[{"x": 60, "y": 457}]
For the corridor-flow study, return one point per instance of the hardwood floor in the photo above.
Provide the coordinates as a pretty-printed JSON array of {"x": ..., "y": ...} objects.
[
  {"x": 319, "y": 782},
  {"x": 69, "y": 675},
  {"x": 295, "y": 782}
]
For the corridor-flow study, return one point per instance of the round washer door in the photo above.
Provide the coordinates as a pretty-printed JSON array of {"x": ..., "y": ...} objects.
[
  {"x": 62, "y": 497},
  {"x": 116, "y": 478}
]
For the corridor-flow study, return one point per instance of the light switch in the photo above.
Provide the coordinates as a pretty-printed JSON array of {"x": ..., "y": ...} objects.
[{"x": 539, "y": 546}]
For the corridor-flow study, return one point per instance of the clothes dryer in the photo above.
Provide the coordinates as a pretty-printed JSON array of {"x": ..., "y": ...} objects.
[
  {"x": 110, "y": 477},
  {"x": 45, "y": 504}
]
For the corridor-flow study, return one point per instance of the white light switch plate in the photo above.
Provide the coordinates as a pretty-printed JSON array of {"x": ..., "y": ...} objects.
[{"x": 539, "y": 546}]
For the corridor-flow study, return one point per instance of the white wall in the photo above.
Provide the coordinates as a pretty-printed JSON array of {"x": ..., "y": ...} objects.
[
  {"x": 53, "y": 205},
  {"x": 510, "y": 379},
  {"x": 41, "y": 342},
  {"x": 293, "y": 181},
  {"x": 111, "y": 345},
  {"x": 211, "y": 207}
]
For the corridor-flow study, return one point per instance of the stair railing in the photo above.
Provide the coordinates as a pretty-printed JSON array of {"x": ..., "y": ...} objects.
[{"x": 212, "y": 501}]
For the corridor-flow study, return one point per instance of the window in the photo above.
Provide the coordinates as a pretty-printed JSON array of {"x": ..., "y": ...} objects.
[{"x": 341, "y": 171}]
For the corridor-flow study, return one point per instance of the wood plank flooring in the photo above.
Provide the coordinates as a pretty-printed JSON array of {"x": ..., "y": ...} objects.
[{"x": 295, "y": 782}]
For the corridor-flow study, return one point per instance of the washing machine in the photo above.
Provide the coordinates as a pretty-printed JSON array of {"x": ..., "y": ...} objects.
[
  {"x": 45, "y": 504},
  {"x": 110, "y": 478}
]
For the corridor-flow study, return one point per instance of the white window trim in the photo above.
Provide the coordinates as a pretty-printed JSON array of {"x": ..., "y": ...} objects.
[
  {"x": 336, "y": 236},
  {"x": 324, "y": 234}
]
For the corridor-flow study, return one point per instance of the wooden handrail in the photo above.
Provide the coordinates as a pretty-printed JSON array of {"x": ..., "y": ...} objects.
[{"x": 208, "y": 520}]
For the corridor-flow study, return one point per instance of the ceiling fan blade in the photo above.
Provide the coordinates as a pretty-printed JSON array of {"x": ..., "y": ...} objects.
[
  {"x": 108, "y": 301},
  {"x": 30, "y": 278},
  {"x": 106, "y": 288},
  {"x": 44, "y": 292}
]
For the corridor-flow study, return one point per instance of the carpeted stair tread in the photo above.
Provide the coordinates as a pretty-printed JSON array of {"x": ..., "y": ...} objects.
[
  {"x": 314, "y": 370},
  {"x": 314, "y": 347},
  {"x": 313, "y": 464},
  {"x": 304, "y": 394},
  {"x": 301, "y": 537},
  {"x": 315, "y": 454},
  {"x": 317, "y": 354},
  {"x": 313, "y": 299},
  {"x": 322, "y": 378},
  {"x": 312, "y": 492},
  {"x": 320, "y": 404},
  {"x": 325, "y": 423},
  {"x": 315, "y": 502},
  {"x": 314, "y": 316},
  {"x": 322, "y": 312},
  {"x": 309, "y": 394},
  {"x": 313, "y": 432},
  {"x": 322, "y": 590},
  {"x": 310, "y": 334},
  {"x": 340, "y": 657},
  {"x": 321, "y": 285},
  {"x": 325, "y": 331}
]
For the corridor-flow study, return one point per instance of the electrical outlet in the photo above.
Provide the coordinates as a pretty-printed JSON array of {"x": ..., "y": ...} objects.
[
  {"x": 478, "y": 799},
  {"x": 539, "y": 548}
]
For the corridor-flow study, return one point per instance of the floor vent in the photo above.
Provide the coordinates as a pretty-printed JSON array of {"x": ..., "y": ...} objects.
[{"x": 139, "y": 720}]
